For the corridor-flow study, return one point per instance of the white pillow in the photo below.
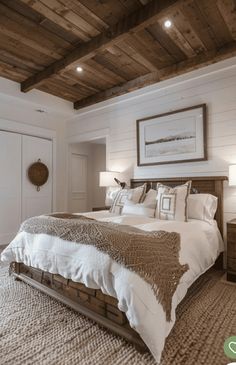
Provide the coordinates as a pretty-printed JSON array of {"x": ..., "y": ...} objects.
[
  {"x": 202, "y": 207},
  {"x": 133, "y": 195},
  {"x": 172, "y": 202},
  {"x": 147, "y": 208},
  {"x": 150, "y": 197}
]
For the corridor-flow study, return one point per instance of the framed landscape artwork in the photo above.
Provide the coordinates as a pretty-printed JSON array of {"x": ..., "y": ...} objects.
[{"x": 173, "y": 137}]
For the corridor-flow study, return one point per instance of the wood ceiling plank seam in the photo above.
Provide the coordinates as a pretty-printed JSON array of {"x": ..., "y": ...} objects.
[
  {"x": 138, "y": 55},
  {"x": 202, "y": 59},
  {"x": 27, "y": 41},
  {"x": 87, "y": 14},
  {"x": 28, "y": 38},
  {"x": 199, "y": 24},
  {"x": 166, "y": 42},
  {"x": 126, "y": 62},
  {"x": 48, "y": 13},
  {"x": 108, "y": 11},
  {"x": 210, "y": 30},
  {"x": 16, "y": 61},
  {"x": 100, "y": 78},
  {"x": 185, "y": 28},
  {"x": 57, "y": 9},
  {"x": 64, "y": 88},
  {"x": 135, "y": 21},
  {"x": 18, "y": 7},
  {"x": 227, "y": 9},
  {"x": 15, "y": 69},
  {"x": 60, "y": 32},
  {"x": 148, "y": 41},
  {"x": 180, "y": 41},
  {"x": 139, "y": 46},
  {"x": 62, "y": 82},
  {"x": 131, "y": 5},
  {"x": 40, "y": 21},
  {"x": 11, "y": 76},
  {"x": 104, "y": 71},
  {"x": 65, "y": 12},
  {"x": 103, "y": 59},
  {"x": 132, "y": 62},
  {"x": 14, "y": 47},
  {"x": 33, "y": 27},
  {"x": 56, "y": 92},
  {"x": 215, "y": 21},
  {"x": 74, "y": 79},
  {"x": 90, "y": 79}
]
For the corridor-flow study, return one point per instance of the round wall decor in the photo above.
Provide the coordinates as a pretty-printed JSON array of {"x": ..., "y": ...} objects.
[{"x": 38, "y": 174}]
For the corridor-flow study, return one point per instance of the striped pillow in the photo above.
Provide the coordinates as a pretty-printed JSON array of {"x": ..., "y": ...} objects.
[{"x": 134, "y": 195}]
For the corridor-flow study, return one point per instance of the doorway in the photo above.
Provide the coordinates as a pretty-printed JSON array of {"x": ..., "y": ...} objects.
[{"x": 86, "y": 160}]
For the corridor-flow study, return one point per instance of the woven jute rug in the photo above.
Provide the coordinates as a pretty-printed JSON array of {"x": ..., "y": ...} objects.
[{"x": 35, "y": 329}]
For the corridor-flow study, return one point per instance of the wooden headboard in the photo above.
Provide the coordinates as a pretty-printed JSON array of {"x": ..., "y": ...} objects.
[{"x": 207, "y": 184}]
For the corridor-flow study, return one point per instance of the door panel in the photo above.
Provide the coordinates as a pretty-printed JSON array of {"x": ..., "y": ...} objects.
[
  {"x": 78, "y": 183},
  {"x": 36, "y": 202},
  {"x": 10, "y": 186}
]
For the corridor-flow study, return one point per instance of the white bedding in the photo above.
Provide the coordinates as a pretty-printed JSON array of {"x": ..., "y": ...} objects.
[{"x": 201, "y": 244}]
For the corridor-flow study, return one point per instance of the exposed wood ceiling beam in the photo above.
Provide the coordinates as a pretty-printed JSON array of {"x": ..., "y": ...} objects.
[
  {"x": 129, "y": 86},
  {"x": 141, "y": 18},
  {"x": 170, "y": 71}
]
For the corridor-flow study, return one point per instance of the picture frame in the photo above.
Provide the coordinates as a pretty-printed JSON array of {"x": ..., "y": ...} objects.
[{"x": 173, "y": 137}]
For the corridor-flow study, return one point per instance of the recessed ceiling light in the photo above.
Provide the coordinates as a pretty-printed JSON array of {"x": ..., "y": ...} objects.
[
  {"x": 79, "y": 69},
  {"x": 168, "y": 23}
]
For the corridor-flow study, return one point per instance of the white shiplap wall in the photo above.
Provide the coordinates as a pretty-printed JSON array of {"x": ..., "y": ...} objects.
[{"x": 214, "y": 85}]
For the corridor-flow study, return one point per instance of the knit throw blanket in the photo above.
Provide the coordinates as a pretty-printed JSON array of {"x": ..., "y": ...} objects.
[{"x": 154, "y": 256}]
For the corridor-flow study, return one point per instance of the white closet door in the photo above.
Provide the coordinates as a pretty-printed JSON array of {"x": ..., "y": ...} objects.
[
  {"x": 10, "y": 186},
  {"x": 36, "y": 202}
]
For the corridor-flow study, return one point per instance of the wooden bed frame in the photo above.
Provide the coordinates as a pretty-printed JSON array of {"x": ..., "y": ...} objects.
[{"x": 93, "y": 303}]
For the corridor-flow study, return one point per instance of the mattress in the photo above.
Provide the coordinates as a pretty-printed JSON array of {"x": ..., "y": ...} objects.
[{"x": 201, "y": 243}]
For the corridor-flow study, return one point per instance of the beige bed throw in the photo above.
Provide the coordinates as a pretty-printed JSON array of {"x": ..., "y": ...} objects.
[{"x": 154, "y": 256}]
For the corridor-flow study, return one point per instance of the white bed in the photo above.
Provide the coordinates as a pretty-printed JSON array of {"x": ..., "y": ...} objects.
[{"x": 201, "y": 244}]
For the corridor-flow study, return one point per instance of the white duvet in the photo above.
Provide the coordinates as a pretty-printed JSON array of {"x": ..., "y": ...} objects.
[{"x": 201, "y": 244}]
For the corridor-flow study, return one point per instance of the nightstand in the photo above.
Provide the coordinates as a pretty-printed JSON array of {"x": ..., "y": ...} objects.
[
  {"x": 96, "y": 209},
  {"x": 231, "y": 250}
]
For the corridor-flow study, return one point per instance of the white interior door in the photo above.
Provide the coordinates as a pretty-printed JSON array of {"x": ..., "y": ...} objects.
[
  {"x": 78, "y": 183},
  {"x": 10, "y": 186},
  {"x": 36, "y": 202}
]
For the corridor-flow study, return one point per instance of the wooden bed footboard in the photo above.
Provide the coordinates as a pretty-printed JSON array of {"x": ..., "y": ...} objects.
[{"x": 92, "y": 303}]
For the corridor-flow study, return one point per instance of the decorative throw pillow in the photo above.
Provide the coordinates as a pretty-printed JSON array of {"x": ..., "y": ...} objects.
[
  {"x": 202, "y": 207},
  {"x": 147, "y": 208},
  {"x": 172, "y": 202},
  {"x": 110, "y": 195},
  {"x": 135, "y": 195}
]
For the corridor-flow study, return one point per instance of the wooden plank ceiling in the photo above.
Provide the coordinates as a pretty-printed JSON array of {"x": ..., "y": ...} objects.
[{"x": 121, "y": 45}]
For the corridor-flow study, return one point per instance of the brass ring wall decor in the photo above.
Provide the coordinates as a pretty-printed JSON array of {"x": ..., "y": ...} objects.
[{"x": 38, "y": 174}]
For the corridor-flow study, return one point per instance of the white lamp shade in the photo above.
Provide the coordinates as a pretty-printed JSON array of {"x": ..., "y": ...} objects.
[
  {"x": 232, "y": 175},
  {"x": 106, "y": 178}
]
